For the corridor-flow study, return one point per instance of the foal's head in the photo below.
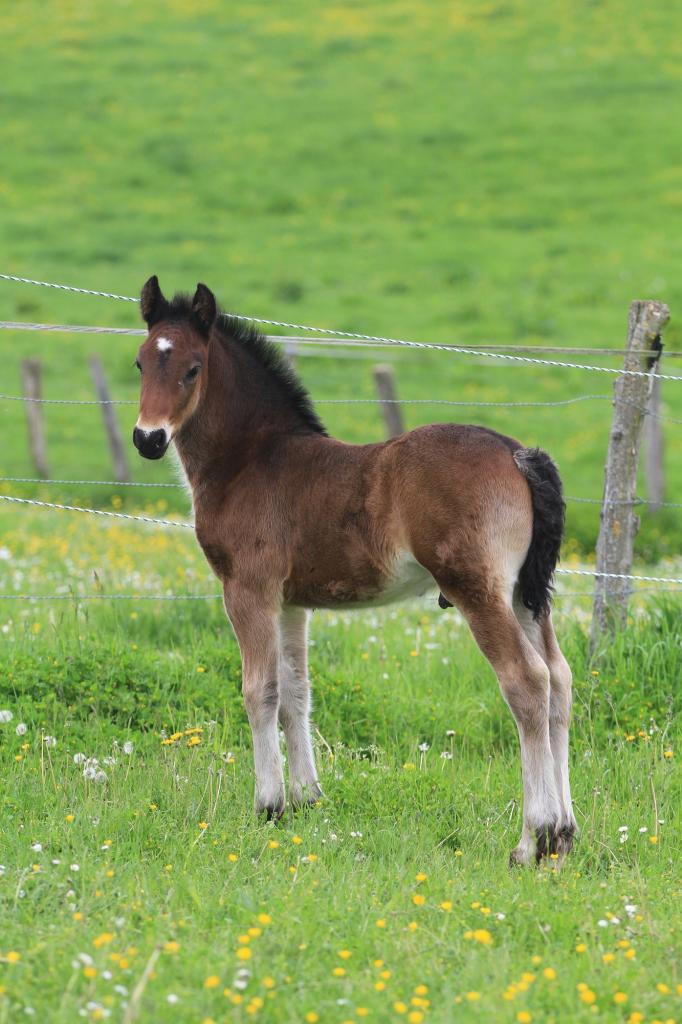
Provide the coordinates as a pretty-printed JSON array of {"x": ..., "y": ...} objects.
[{"x": 171, "y": 362}]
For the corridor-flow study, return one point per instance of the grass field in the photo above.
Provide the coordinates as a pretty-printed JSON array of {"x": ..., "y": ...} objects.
[{"x": 470, "y": 172}]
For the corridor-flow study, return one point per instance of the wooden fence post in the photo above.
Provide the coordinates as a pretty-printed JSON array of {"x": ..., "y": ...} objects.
[
  {"x": 118, "y": 454},
  {"x": 654, "y": 473},
  {"x": 384, "y": 380},
  {"x": 619, "y": 523},
  {"x": 31, "y": 370}
]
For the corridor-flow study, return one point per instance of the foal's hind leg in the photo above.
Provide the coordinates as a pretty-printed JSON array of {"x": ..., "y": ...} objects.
[
  {"x": 294, "y": 706},
  {"x": 524, "y": 681},
  {"x": 543, "y": 638}
]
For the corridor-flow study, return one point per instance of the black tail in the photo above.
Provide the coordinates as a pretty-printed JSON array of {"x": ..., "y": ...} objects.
[{"x": 549, "y": 512}]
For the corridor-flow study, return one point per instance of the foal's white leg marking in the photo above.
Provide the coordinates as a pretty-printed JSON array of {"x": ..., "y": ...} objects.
[
  {"x": 294, "y": 706},
  {"x": 164, "y": 344},
  {"x": 543, "y": 639},
  {"x": 257, "y": 633}
]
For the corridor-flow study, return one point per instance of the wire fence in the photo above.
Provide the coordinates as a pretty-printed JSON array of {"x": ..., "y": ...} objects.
[{"x": 327, "y": 336}]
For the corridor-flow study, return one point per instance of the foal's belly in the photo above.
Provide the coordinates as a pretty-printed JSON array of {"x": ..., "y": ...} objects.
[{"x": 365, "y": 589}]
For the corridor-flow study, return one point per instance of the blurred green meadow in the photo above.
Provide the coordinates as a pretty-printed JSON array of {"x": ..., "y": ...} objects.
[{"x": 469, "y": 172}]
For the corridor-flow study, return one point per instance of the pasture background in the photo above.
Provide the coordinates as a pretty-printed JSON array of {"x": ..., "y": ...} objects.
[{"x": 473, "y": 172}]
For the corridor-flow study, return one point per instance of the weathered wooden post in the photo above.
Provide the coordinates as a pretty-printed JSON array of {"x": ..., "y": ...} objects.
[
  {"x": 619, "y": 522},
  {"x": 654, "y": 474},
  {"x": 31, "y": 371},
  {"x": 384, "y": 380},
  {"x": 118, "y": 454}
]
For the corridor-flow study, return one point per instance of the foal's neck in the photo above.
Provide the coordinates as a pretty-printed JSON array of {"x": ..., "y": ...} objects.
[{"x": 240, "y": 414}]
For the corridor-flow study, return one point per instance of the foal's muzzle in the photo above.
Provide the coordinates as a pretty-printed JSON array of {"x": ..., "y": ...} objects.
[{"x": 151, "y": 444}]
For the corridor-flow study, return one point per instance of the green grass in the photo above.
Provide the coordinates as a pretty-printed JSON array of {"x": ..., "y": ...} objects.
[
  {"x": 483, "y": 172},
  {"x": 95, "y": 676}
]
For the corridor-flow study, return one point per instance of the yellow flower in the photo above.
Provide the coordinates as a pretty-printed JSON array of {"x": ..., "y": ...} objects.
[
  {"x": 296, "y": 840},
  {"x": 420, "y": 876},
  {"x": 361, "y": 1011},
  {"x": 312, "y": 857},
  {"x": 415, "y": 1017},
  {"x": 623, "y": 943},
  {"x": 630, "y": 954},
  {"x": 273, "y": 844},
  {"x": 635, "y": 1017},
  {"x": 232, "y": 857},
  {"x": 102, "y": 940},
  {"x": 244, "y": 939},
  {"x": 653, "y": 839},
  {"x": 203, "y": 825},
  {"x": 484, "y": 936},
  {"x": 339, "y": 972},
  {"x": 581, "y": 947},
  {"x": 90, "y": 971},
  {"x": 244, "y": 953},
  {"x": 13, "y": 957},
  {"x": 400, "y": 1007},
  {"x": 421, "y": 990},
  {"x": 70, "y": 818},
  {"x": 409, "y": 766},
  {"x": 608, "y": 958},
  {"x": 345, "y": 954},
  {"x": 588, "y": 996},
  {"x": 255, "y": 932},
  {"x": 667, "y": 753},
  {"x": 524, "y": 1017},
  {"x": 212, "y": 981},
  {"x": 172, "y": 946},
  {"x": 418, "y": 899},
  {"x": 193, "y": 741},
  {"x": 620, "y": 998},
  {"x": 312, "y": 1017},
  {"x": 78, "y": 916},
  {"x": 385, "y": 975},
  {"x": 380, "y": 985},
  {"x": 446, "y": 905},
  {"x": 380, "y": 923},
  {"x": 663, "y": 988},
  {"x": 413, "y": 926},
  {"x": 264, "y": 919},
  {"x": 528, "y": 977},
  {"x": 268, "y": 982},
  {"x": 549, "y": 973},
  {"x": 473, "y": 997}
]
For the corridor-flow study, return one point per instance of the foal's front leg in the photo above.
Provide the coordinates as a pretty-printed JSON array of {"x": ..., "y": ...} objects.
[
  {"x": 256, "y": 625},
  {"x": 294, "y": 706}
]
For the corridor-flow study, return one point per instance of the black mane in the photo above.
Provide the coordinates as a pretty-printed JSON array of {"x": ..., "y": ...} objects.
[{"x": 245, "y": 333}]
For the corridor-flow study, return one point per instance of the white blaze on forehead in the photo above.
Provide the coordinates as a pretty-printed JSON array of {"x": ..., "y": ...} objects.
[{"x": 164, "y": 345}]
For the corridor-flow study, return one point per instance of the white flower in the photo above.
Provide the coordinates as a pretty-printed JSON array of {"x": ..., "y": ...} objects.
[
  {"x": 86, "y": 959},
  {"x": 500, "y": 916},
  {"x": 128, "y": 747},
  {"x": 603, "y": 923},
  {"x": 644, "y": 829},
  {"x": 2, "y": 870},
  {"x": 55, "y": 861},
  {"x": 446, "y": 755},
  {"x": 79, "y": 758},
  {"x": 21, "y": 729},
  {"x": 623, "y": 828},
  {"x": 6, "y": 716},
  {"x": 37, "y": 847},
  {"x": 109, "y": 761},
  {"x": 100, "y": 776},
  {"x": 450, "y": 732},
  {"x": 356, "y": 835},
  {"x": 74, "y": 867},
  {"x": 107, "y": 975},
  {"x": 240, "y": 983},
  {"x": 89, "y": 772},
  {"x": 122, "y": 990},
  {"x": 170, "y": 998},
  {"x": 423, "y": 747},
  {"x": 5, "y": 554},
  {"x": 50, "y": 741},
  {"x": 615, "y": 920},
  {"x": 630, "y": 908}
]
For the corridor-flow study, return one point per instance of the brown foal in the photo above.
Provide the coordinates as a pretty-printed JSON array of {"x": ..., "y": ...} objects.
[{"x": 291, "y": 519}]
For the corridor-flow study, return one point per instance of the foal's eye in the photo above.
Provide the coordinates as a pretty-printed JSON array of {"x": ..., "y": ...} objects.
[
  {"x": 191, "y": 374},
  {"x": 137, "y": 364}
]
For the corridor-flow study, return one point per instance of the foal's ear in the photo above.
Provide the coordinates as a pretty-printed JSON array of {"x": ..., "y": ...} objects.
[
  {"x": 204, "y": 309},
  {"x": 153, "y": 305}
]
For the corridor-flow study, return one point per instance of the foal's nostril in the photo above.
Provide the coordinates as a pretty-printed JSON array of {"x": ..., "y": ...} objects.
[{"x": 150, "y": 443}]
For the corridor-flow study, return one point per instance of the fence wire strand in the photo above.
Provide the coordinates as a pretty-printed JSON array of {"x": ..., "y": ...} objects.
[{"x": 401, "y": 342}]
